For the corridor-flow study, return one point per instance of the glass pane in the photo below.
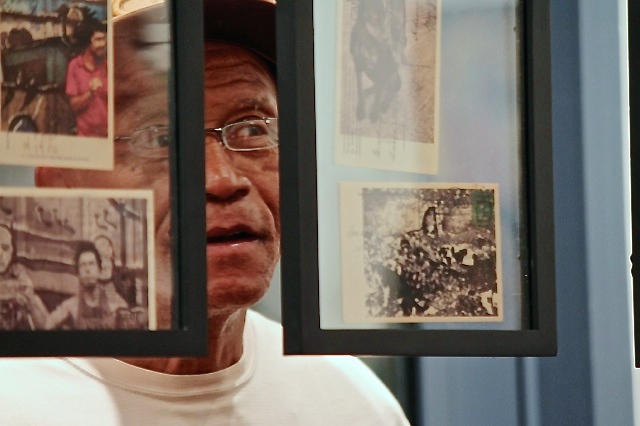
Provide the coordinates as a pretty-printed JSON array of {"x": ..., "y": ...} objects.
[
  {"x": 85, "y": 166},
  {"x": 420, "y": 164}
]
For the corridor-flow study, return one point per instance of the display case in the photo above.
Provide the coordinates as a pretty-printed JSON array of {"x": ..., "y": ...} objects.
[
  {"x": 101, "y": 196},
  {"x": 416, "y": 177}
]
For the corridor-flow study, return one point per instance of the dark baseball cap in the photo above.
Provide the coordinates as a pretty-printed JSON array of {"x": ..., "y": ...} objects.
[{"x": 247, "y": 23}]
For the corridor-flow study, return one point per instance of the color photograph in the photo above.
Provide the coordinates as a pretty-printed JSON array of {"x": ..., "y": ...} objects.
[{"x": 55, "y": 90}]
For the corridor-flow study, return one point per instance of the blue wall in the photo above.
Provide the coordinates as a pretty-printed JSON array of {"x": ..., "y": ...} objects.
[{"x": 589, "y": 382}]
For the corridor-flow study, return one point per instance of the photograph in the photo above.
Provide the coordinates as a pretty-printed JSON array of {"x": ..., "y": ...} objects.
[
  {"x": 74, "y": 259},
  {"x": 55, "y": 65},
  {"x": 420, "y": 252},
  {"x": 387, "y": 85}
]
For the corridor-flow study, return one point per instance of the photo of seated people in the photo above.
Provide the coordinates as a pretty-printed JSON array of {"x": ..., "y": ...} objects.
[{"x": 66, "y": 265}]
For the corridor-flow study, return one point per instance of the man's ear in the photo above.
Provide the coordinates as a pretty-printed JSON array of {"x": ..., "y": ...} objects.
[{"x": 50, "y": 177}]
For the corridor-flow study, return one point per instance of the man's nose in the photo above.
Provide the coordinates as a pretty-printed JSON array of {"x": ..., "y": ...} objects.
[{"x": 223, "y": 180}]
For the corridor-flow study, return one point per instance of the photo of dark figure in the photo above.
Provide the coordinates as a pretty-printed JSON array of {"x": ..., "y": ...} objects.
[
  {"x": 37, "y": 42},
  {"x": 388, "y": 69},
  {"x": 446, "y": 267},
  {"x": 373, "y": 54},
  {"x": 386, "y": 92}
]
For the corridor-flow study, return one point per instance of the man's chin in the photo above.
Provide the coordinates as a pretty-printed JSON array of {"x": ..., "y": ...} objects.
[{"x": 235, "y": 294}]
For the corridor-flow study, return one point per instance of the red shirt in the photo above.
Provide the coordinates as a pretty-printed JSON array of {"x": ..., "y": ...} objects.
[{"x": 93, "y": 119}]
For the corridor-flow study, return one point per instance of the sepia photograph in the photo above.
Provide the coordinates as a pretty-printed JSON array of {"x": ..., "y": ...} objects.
[
  {"x": 387, "y": 84},
  {"x": 55, "y": 65},
  {"x": 76, "y": 260},
  {"x": 420, "y": 252}
]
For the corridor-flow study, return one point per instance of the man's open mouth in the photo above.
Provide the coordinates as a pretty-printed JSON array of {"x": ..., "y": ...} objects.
[
  {"x": 233, "y": 235},
  {"x": 231, "y": 238}
]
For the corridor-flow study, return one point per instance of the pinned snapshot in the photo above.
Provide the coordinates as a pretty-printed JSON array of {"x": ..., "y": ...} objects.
[
  {"x": 420, "y": 252},
  {"x": 56, "y": 91},
  {"x": 387, "y": 85},
  {"x": 75, "y": 259}
]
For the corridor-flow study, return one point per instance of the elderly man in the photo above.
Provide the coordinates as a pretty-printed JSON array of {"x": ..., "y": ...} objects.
[{"x": 245, "y": 379}]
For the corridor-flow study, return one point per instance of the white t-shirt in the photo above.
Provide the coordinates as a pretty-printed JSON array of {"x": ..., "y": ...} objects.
[{"x": 263, "y": 388}]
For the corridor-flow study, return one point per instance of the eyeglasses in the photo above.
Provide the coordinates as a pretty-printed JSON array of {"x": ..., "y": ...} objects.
[{"x": 242, "y": 136}]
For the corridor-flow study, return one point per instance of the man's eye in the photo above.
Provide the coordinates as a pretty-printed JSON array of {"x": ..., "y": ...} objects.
[
  {"x": 250, "y": 130},
  {"x": 160, "y": 140},
  {"x": 156, "y": 139}
]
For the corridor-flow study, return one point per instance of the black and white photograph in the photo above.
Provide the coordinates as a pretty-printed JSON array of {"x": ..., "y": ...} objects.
[
  {"x": 75, "y": 259},
  {"x": 420, "y": 252},
  {"x": 387, "y": 84},
  {"x": 55, "y": 83}
]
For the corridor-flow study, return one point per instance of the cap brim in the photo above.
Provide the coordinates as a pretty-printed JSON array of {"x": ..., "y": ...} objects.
[{"x": 247, "y": 23}]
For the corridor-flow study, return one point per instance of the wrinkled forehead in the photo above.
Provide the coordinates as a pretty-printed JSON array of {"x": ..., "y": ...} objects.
[
  {"x": 225, "y": 60},
  {"x": 236, "y": 79}
]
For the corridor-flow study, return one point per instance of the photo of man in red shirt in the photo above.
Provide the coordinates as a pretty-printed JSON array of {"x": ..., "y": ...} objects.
[{"x": 87, "y": 81}]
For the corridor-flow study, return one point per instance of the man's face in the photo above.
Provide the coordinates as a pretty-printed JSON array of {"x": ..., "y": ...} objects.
[
  {"x": 6, "y": 250},
  {"x": 242, "y": 207},
  {"x": 88, "y": 268},
  {"x": 98, "y": 44},
  {"x": 243, "y": 217}
]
